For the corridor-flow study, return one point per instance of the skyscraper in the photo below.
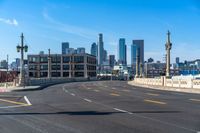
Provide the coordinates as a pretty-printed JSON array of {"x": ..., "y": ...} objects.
[
  {"x": 93, "y": 49},
  {"x": 81, "y": 50},
  {"x": 137, "y": 45},
  {"x": 177, "y": 60},
  {"x": 111, "y": 60},
  {"x": 104, "y": 55},
  {"x": 122, "y": 51},
  {"x": 100, "y": 49},
  {"x": 65, "y": 46}
]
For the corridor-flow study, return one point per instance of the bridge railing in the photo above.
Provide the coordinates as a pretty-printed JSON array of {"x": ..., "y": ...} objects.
[{"x": 162, "y": 81}]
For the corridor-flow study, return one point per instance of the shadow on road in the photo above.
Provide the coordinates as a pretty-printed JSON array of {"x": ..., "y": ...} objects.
[{"x": 86, "y": 113}]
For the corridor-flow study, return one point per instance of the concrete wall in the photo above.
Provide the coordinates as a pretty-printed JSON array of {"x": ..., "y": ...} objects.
[
  {"x": 178, "y": 83},
  {"x": 46, "y": 81}
]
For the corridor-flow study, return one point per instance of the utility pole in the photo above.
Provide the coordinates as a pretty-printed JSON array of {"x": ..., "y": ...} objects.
[
  {"x": 22, "y": 49},
  {"x": 137, "y": 62},
  {"x": 49, "y": 63},
  {"x": 168, "y": 47}
]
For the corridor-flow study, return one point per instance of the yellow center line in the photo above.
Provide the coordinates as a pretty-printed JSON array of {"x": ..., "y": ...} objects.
[
  {"x": 196, "y": 100},
  {"x": 13, "y": 102},
  {"x": 154, "y": 101},
  {"x": 152, "y": 94},
  {"x": 114, "y": 94}
]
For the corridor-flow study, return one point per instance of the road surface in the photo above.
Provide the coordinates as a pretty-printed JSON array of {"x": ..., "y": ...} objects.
[{"x": 99, "y": 107}]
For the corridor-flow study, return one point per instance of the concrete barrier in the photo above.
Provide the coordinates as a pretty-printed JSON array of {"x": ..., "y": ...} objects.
[{"x": 162, "y": 81}]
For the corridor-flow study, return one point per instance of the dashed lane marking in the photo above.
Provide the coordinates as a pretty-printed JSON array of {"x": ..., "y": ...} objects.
[
  {"x": 114, "y": 94},
  {"x": 124, "y": 111},
  {"x": 152, "y": 94},
  {"x": 88, "y": 100},
  {"x": 120, "y": 110},
  {"x": 154, "y": 101},
  {"x": 72, "y": 94},
  {"x": 96, "y": 90},
  {"x": 196, "y": 100}
]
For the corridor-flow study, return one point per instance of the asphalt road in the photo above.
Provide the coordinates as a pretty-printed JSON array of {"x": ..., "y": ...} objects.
[{"x": 99, "y": 107}]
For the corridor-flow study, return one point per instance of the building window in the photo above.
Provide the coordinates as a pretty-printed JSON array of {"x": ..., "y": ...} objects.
[
  {"x": 55, "y": 67},
  {"x": 79, "y": 67},
  {"x": 78, "y": 59},
  {"x": 43, "y": 67},
  {"x": 55, "y": 74},
  {"x": 33, "y": 74},
  {"x": 43, "y": 60},
  {"x": 79, "y": 74},
  {"x": 65, "y": 67},
  {"x": 91, "y": 74},
  {"x": 90, "y": 67},
  {"x": 33, "y": 59},
  {"x": 43, "y": 74},
  {"x": 66, "y": 59},
  {"x": 65, "y": 74},
  {"x": 32, "y": 67},
  {"x": 56, "y": 59},
  {"x": 91, "y": 60}
]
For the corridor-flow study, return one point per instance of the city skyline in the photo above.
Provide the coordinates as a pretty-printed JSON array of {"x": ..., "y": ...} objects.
[{"x": 46, "y": 24}]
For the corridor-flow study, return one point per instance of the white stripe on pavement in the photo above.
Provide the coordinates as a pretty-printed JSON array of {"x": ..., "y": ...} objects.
[
  {"x": 27, "y": 101},
  {"x": 88, "y": 100},
  {"x": 72, "y": 94}
]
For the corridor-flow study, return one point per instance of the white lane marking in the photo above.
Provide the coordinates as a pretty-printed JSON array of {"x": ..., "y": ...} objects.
[
  {"x": 120, "y": 110},
  {"x": 113, "y": 88},
  {"x": 72, "y": 94},
  {"x": 124, "y": 111},
  {"x": 27, "y": 101},
  {"x": 88, "y": 100},
  {"x": 144, "y": 117}
]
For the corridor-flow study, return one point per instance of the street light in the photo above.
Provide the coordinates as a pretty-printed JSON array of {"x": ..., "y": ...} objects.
[{"x": 22, "y": 49}]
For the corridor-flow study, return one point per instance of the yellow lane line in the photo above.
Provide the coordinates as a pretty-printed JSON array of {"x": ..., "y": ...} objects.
[
  {"x": 13, "y": 102},
  {"x": 152, "y": 94},
  {"x": 154, "y": 101},
  {"x": 114, "y": 94},
  {"x": 196, "y": 100}
]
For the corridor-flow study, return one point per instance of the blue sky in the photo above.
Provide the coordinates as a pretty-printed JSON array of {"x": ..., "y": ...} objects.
[{"x": 47, "y": 23}]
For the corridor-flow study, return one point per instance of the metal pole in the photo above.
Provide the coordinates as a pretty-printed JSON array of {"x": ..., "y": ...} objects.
[
  {"x": 7, "y": 73},
  {"x": 49, "y": 64},
  {"x": 22, "y": 61}
]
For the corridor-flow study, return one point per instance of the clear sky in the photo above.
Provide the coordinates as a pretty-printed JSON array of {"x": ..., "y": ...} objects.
[{"x": 47, "y": 23}]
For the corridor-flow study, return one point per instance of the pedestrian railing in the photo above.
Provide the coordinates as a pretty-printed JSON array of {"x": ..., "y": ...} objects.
[{"x": 182, "y": 83}]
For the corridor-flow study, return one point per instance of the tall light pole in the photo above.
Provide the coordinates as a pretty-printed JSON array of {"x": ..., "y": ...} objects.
[
  {"x": 168, "y": 47},
  {"x": 49, "y": 63},
  {"x": 21, "y": 48}
]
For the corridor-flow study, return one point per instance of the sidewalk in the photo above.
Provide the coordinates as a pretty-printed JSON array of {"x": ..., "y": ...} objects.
[{"x": 185, "y": 90}]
